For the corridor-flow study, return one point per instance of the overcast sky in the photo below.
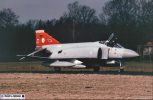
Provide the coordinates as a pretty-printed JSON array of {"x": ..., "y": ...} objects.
[{"x": 45, "y": 9}]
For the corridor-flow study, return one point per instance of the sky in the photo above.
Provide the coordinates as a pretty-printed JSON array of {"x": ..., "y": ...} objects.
[{"x": 45, "y": 9}]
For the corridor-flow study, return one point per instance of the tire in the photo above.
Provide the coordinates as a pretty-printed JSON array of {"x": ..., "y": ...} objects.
[
  {"x": 121, "y": 70},
  {"x": 96, "y": 69},
  {"x": 122, "y": 67}
]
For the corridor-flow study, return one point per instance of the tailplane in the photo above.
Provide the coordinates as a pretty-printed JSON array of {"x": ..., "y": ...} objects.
[{"x": 42, "y": 38}]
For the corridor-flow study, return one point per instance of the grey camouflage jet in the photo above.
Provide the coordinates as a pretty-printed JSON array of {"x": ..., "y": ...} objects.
[{"x": 79, "y": 55}]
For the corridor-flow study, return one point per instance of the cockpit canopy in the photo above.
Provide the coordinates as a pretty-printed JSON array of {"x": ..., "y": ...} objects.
[{"x": 117, "y": 45}]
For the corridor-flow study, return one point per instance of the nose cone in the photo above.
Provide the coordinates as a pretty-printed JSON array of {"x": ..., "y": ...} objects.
[{"x": 127, "y": 53}]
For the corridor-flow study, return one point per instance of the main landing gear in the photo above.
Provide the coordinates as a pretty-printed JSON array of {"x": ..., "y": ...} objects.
[
  {"x": 96, "y": 69},
  {"x": 57, "y": 69}
]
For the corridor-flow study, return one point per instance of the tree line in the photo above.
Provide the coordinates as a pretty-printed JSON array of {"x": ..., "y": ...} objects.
[{"x": 131, "y": 20}]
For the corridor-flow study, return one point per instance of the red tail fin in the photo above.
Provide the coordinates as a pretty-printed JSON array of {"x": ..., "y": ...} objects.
[{"x": 43, "y": 38}]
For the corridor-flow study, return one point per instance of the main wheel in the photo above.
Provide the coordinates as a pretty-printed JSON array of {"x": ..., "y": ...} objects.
[
  {"x": 96, "y": 69},
  {"x": 57, "y": 69}
]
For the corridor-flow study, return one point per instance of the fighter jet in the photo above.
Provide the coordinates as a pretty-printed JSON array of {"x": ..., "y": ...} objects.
[{"x": 79, "y": 55}]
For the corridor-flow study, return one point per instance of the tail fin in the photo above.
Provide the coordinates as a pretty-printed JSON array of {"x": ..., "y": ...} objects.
[{"x": 43, "y": 38}]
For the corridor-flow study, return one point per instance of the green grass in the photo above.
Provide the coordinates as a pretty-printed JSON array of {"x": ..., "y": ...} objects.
[
  {"x": 139, "y": 66},
  {"x": 36, "y": 66}
]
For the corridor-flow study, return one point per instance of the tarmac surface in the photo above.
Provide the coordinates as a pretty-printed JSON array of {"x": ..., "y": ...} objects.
[{"x": 77, "y": 86}]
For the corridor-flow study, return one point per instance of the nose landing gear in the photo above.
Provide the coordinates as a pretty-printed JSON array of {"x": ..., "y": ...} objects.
[{"x": 121, "y": 65}]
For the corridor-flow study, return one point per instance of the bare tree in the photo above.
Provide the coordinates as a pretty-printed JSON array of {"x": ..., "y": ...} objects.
[
  {"x": 81, "y": 13},
  {"x": 122, "y": 18},
  {"x": 146, "y": 16},
  {"x": 8, "y": 18},
  {"x": 121, "y": 11}
]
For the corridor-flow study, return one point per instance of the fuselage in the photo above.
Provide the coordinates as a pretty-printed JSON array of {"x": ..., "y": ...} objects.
[{"x": 89, "y": 50}]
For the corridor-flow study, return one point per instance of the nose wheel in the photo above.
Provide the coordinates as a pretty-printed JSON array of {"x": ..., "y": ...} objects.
[{"x": 121, "y": 65}]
